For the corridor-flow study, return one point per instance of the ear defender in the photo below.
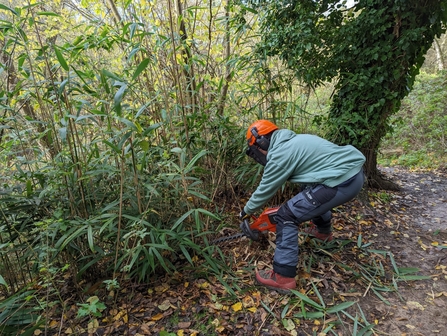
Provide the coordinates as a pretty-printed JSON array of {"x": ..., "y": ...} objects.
[{"x": 261, "y": 141}]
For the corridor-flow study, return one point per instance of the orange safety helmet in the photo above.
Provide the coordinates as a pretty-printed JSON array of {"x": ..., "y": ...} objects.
[{"x": 257, "y": 130}]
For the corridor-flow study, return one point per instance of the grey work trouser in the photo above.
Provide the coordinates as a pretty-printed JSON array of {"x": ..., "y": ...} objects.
[{"x": 313, "y": 203}]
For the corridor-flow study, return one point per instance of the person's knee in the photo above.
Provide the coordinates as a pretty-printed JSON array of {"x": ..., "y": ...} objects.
[{"x": 284, "y": 214}]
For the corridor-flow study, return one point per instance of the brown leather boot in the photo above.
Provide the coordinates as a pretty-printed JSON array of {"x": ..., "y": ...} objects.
[
  {"x": 312, "y": 230},
  {"x": 275, "y": 281}
]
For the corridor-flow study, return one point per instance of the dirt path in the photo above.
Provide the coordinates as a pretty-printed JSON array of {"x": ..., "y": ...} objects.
[{"x": 417, "y": 241}]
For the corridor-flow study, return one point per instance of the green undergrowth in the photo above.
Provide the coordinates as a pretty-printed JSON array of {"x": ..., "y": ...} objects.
[{"x": 418, "y": 138}]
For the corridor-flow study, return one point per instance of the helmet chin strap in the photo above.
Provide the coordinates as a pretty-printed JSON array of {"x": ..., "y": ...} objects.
[{"x": 257, "y": 155}]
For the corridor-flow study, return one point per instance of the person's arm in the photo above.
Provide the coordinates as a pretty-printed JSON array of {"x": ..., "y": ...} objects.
[{"x": 273, "y": 178}]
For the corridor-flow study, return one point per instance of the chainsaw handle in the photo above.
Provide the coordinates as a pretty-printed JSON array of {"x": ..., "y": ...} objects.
[{"x": 245, "y": 228}]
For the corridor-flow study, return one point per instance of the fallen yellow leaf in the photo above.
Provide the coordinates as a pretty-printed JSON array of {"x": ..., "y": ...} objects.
[
  {"x": 220, "y": 329},
  {"x": 92, "y": 326},
  {"x": 415, "y": 305},
  {"x": 119, "y": 315},
  {"x": 157, "y": 317},
  {"x": 203, "y": 285},
  {"x": 237, "y": 306},
  {"x": 248, "y": 301},
  {"x": 161, "y": 289}
]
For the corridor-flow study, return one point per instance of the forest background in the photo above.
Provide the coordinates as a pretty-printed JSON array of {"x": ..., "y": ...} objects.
[{"x": 122, "y": 137}]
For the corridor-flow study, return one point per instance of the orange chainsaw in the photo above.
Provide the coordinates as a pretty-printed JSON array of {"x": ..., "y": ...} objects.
[{"x": 264, "y": 223}]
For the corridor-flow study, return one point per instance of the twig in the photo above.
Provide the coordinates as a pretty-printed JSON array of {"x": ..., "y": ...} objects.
[
  {"x": 265, "y": 320},
  {"x": 367, "y": 289}
]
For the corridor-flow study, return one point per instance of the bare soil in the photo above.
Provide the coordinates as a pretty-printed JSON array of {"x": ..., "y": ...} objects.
[{"x": 418, "y": 240}]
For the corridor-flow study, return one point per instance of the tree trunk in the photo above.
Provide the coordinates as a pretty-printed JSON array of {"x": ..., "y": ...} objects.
[
  {"x": 374, "y": 178},
  {"x": 439, "y": 58},
  {"x": 229, "y": 73}
]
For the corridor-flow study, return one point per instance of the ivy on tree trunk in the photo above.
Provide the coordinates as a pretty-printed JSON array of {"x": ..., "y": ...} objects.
[{"x": 373, "y": 51}]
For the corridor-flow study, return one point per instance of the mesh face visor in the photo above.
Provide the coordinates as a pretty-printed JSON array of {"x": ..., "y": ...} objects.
[{"x": 255, "y": 154}]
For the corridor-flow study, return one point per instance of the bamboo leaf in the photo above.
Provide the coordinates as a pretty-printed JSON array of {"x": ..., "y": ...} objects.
[
  {"x": 285, "y": 311},
  {"x": 249, "y": 9},
  {"x": 181, "y": 219},
  {"x": 29, "y": 188},
  {"x": 111, "y": 75},
  {"x": 3, "y": 282},
  {"x": 177, "y": 150},
  {"x": 363, "y": 331},
  {"x": 62, "y": 86},
  {"x": 7, "y": 8},
  {"x": 209, "y": 214},
  {"x": 309, "y": 315},
  {"x": 414, "y": 277},
  {"x": 393, "y": 262},
  {"x": 408, "y": 270},
  {"x": 61, "y": 59},
  {"x": 142, "y": 109},
  {"x": 191, "y": 163},
  {"x": 339, "y": 307},
  {"x": 48, "y": 14},
  {"x": 186, "y": 254},
  {"x": 151, "y": 128},
  {"x": 140, "y": 68},
  {"x": 161, "y": 260},
  {"x": 63, "y": 133},
  {"x": 307, "y": 300},
  {"x": 128, "y": 123},
  {"x": 74, "y": 235},
  {"x": 317, "y": 292},
  {"x": 381, "y": 297},
  {"x": 111, "y": 145},
  {"x": 133, "y": 27},
  {"x": 117, "y": 99},
  {"x": 90, "y": 238},
  {"x": 199, "y": 195}
]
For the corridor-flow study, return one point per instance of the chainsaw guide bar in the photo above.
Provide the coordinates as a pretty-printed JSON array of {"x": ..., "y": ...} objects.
[{"x": 227, "y": 239}]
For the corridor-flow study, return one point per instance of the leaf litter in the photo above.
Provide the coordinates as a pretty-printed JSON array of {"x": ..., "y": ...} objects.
[{"x": 385, "y": 274}]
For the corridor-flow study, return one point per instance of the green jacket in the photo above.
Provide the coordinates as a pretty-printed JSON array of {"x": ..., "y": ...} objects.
[{"x": 304, "y": 159}]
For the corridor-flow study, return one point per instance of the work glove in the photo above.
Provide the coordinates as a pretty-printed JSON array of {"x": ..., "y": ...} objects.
[{"x": 243, "y": 215}]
